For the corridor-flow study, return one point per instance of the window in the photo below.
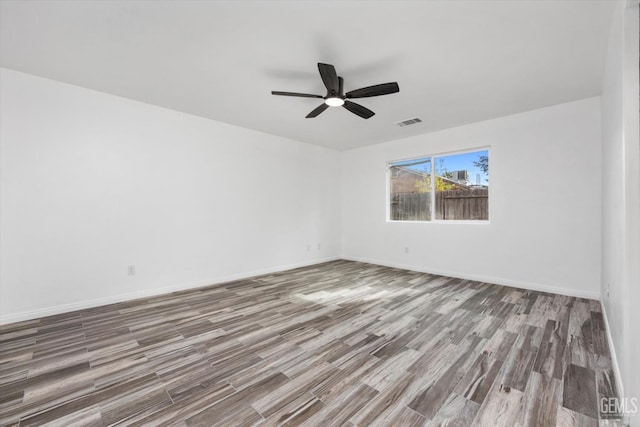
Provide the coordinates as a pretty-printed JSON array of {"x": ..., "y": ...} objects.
[{"x": 458, "y": 191}]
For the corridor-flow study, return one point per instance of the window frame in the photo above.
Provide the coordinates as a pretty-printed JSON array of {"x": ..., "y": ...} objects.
[{"x": 432, "y": 158}]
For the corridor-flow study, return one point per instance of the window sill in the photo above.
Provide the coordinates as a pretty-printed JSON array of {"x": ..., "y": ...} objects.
[{"x": 440, "y": 221}]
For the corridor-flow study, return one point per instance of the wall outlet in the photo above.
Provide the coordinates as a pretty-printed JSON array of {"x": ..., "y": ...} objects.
[
  {"x": 308, "y": 247},
  {"x": 131, "y": 270},
  {"x": 406, "y": 249},
  {"x": 318, "y": 246}
]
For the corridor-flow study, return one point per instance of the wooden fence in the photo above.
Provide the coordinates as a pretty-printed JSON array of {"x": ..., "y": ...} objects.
[{"x": 472, "y": 204}]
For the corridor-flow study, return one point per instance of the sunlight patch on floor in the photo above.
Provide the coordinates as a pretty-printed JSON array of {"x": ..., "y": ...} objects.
[{"x": 363, "y": 293}]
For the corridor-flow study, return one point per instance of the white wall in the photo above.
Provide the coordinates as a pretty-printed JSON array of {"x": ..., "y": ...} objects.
[
  {"x": 544, "y": 230},
  {"x": 621, "y": 197},
  {"x": 91, "y": 183}
]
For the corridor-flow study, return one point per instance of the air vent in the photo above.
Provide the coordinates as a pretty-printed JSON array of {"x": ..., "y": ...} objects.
[{"x": 409, "y": 122}]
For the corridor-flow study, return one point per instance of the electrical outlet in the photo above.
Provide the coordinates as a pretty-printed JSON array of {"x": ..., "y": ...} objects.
[
  {"x": 318, "y": 246},
  {"x": 131, "y": 270},
  {"x": 308, "y": 247},
  {"x": 406, "y": 249}
]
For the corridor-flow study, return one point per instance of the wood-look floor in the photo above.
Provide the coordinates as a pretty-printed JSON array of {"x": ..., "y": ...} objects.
[{"x": 340, "y": 343}]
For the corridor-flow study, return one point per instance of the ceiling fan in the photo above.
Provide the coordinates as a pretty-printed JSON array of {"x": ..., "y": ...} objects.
[{"x": 336, "y": 97}]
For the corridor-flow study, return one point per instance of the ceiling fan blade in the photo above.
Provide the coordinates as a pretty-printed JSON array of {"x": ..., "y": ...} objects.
[
  {"x": 376, "y": 90},
  {"x": 329, "y": 77},
  {"x": 302, "y": 95},
  {"x": 317, "y": 111},
  {"x": 358, "y": 109}
]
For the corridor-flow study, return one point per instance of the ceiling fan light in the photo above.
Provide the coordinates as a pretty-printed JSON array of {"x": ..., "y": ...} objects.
[{"x": 334, "y": 101}]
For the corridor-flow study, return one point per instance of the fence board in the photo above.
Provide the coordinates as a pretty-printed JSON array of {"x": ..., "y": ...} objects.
[{"x": 468, "y": 204}]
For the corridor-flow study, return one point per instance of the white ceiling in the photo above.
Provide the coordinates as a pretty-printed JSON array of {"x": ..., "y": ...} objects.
[{"x": 456, "y": 62}]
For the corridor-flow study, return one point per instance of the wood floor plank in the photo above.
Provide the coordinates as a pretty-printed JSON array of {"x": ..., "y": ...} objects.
[
  {"x": 517, "y": 369},
  {"x": 578, "y": 353},
  {"x": 543, "y": 397},
  {"x": 405, "y": 417},
  {"x": 283, "y": 395},
  {"x": 600, "y": 345},
  {"x": 479, "y": 378},
  {"x": 296, "y": 412},
  {"x": 545, "y": 362},
  {"x": 338, "y": 412},
  {"x": 456, "y": 411},
  {"x": 501, "y": 407},
  {"x": 500, "y": 344},
  {"x": 389, "y": 372},
  {"x": 338, "y": 343},
  {"x": 236, "y": 403},
  {"x": 568, "y": 418},
  {"x": 579, "y": 393},
  {"x": 432, "y": 397},
  {"x": 383, "y": 404}
]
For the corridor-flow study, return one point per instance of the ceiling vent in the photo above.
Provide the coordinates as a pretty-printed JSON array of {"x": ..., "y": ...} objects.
[{"x": 409, "y": 122}]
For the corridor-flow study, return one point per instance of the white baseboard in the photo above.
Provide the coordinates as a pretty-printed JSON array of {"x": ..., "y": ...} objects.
[
  {"x": 612, "y": 350},
  {"x": 65, "y": 308},
  {"x": 486, "y": 279},
  {"x": 81, "y": 305}
]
